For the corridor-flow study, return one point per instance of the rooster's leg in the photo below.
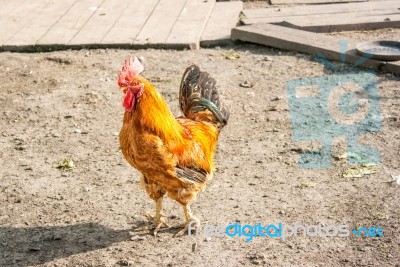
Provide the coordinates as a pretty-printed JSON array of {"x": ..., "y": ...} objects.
[
  {"x": 159, "y": 218},
  {"x": 158, "y": 221},
  {"x": 191, "y": 222}
]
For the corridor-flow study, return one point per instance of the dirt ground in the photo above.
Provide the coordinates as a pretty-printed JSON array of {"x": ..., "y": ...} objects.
[{"x": 66, "y": 105}]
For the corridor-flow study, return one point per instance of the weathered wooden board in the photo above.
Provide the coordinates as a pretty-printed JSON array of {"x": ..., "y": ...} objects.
[
  {"x": 131, "y": 21},
  {"x": 105, "y": 16},
  {"x": 344, "y": 23},
  {"x": 319, "y": 19},
  {"x": 223, "y": 19},
  {"x": 308, "y": 10},
  {"x": 391, "y": 67},
  {"x": 54, "y": 25},
  {"x": 62, "y": 32},
  {"x": 190, "y": 24},
  {"x": 289, "y": 2},
  {"x": 160, "y": 23},
  {"x": 14, "y": 16},
  {"x": 305, "y": 42},
  {"x": 39, "y": 24},
  {"x": 8, "y": 6}
]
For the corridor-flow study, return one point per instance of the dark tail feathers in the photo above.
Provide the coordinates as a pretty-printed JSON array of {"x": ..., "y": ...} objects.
[{"x": 198, "y": 93}]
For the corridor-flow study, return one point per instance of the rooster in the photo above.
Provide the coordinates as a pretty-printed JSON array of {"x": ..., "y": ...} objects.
[{"x": 174, "y": 155}]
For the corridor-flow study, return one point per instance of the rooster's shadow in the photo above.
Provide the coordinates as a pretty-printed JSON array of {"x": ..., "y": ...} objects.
[{"x": 38, "y": 245}]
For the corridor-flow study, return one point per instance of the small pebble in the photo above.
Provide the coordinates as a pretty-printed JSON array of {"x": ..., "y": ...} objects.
[
  {"x": 123, "y": 263},
  {"x": 246, "y": 84},
  {"x": 137, "y": 238}
]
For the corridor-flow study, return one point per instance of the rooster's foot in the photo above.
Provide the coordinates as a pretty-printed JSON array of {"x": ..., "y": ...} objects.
[
  {"x": 191, "y": 225},
  {"x": 156, "y": 224},
  {"x": 161, "y": 224}
]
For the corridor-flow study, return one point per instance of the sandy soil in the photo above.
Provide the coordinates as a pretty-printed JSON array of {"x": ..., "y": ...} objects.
[{"x": 66, "y": 105}]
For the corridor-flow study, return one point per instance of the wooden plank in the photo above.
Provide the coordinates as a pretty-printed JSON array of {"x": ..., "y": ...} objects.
[
  {"x": 305, "y": 42},
  {"x": 16, "y": 15},
  {"x": 100, "y": 23},
  {"x": 391, "y": 67},
  {"x": 127, "y": 27},
  {"x": 8, "y": 7},
  {"x": 320, "y": 19},
  {"x": 190, "y": 24},
  {"x": 223, "y": 19},
  {"x": 38, "y": 25},
  {"x": 344, "y": 23},
  {"x": 320, "y": 9},
  {"x": 290, "y": 2},
  {"x": 160, "y": 23},
  {"x": 62, "y": 32}
]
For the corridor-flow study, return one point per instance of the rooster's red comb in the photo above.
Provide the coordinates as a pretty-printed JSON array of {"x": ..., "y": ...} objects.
[{"x": 131, "y": 68}]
